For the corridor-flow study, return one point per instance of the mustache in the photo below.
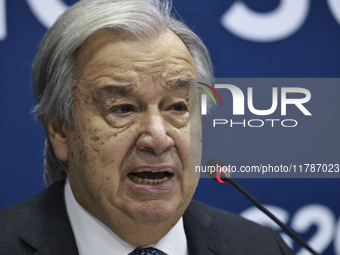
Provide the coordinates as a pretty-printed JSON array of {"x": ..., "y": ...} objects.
[{"x": 142, "y": 158}]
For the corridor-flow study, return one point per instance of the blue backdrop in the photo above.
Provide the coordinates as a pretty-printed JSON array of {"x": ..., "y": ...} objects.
[{"x": 249, "y": 38}]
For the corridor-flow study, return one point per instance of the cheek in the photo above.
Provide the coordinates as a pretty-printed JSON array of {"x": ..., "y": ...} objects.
[
  {"x": 95, "y": 164},
  {"x": 113, "y": 149},
  {"x": 182, "y": 143}
]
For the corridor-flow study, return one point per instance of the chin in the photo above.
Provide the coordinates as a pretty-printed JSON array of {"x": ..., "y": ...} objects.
[{"x": 155, "y": 212}]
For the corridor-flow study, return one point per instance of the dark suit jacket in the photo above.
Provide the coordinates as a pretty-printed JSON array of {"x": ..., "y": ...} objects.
[{"x": 40, "y": 226}]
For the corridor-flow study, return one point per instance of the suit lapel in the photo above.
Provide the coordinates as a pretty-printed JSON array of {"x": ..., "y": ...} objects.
[
  {"x": 47, "y": 224},
  {"x": 200, "y": 235}
]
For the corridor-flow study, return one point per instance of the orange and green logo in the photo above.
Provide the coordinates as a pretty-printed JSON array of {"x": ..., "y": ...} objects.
[{"x": 204, "y": 97}]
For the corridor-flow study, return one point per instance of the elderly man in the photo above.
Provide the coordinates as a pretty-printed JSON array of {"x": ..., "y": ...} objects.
[{"x": 112, "y": 82}]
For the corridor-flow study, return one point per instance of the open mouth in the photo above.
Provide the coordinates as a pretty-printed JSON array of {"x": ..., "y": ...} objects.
[{"x": 150, "y": 177}]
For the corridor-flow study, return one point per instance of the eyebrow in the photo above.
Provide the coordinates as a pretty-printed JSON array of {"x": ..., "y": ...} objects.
[
  {"x": 179, "y": 84},
  {"x": 121, "y": 90}
]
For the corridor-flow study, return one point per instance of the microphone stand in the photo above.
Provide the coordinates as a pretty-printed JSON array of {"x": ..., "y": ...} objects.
[{"x": 270, "y": 215}]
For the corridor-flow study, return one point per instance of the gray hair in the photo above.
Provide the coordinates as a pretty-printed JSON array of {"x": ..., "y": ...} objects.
[{"x": 54, "y": 71}]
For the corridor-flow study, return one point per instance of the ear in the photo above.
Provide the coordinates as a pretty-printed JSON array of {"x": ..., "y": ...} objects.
[{"x": 56, "y": 133}]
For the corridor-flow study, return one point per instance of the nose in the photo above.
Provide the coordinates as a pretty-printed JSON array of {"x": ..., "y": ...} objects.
[{"x": 154, "y": 136}]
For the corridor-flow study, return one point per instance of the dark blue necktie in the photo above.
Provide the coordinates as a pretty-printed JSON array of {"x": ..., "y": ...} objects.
[{"x": 147, "y": 251}]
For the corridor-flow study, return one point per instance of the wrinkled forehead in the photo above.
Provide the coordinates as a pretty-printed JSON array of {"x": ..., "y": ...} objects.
[
  {"x": 109, "y": 67},
  {"x": 123, "y": 53}
]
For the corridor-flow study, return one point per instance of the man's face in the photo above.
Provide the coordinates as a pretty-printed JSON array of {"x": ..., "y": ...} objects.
[{"x": 129, "y": 149}]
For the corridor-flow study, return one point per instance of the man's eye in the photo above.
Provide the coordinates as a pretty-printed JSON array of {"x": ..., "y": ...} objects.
[
  {"x": 178, "y": 107},
  {"x": 123, "y": 109}
]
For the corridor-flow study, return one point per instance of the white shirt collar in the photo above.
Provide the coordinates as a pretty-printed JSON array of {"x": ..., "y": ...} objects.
[{"x": 93, "y": 237}]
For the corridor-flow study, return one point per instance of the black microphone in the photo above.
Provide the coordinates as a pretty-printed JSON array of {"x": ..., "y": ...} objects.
[
  {"x": 222, "y": 174},
  {"x": 220, "y": 171}
]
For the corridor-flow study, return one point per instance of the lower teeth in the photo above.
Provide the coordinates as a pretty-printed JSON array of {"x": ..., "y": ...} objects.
[{"x": 136, "y": 179}]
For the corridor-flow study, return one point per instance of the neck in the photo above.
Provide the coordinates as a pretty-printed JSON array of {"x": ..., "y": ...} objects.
[{"x": 137, "y": 233}]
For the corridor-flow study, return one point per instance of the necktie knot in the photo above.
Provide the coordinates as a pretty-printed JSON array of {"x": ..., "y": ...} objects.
[{"x": 147, "y": 251}]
